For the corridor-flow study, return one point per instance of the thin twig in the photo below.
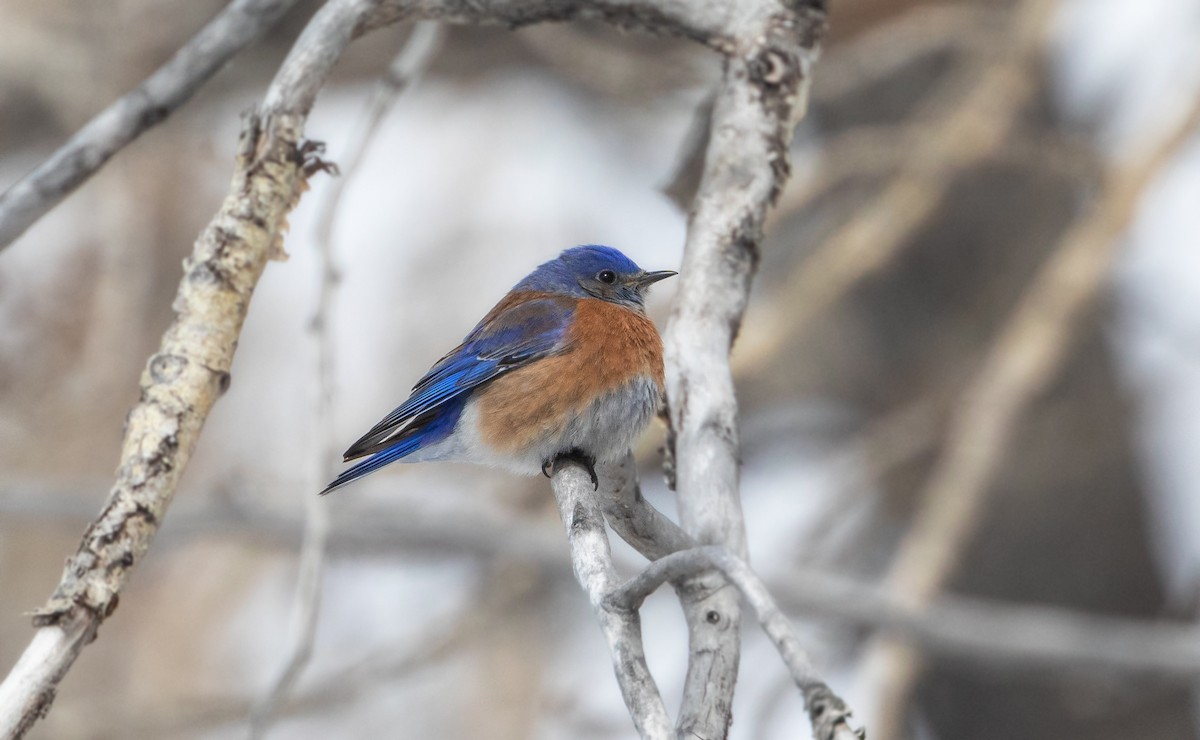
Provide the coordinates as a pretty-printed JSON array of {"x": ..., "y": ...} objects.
[
  {"x": 388, "y": 664},
  {"x": 999, "y": 634},
  {"x": 144, "y": 107},
  {"x": 409, "y": 64},
  {"x": 446, "y": 531},
  {"x": 878, "y": 54},
  {"x": 406, "y": 68},
  {"x": 829, "y": 714},
  {"x": 1022, "y": 362},
  {"x": 869, "y": 151}
]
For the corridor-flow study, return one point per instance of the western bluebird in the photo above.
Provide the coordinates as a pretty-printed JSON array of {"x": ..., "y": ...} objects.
[{"x": 566, "y": 364}]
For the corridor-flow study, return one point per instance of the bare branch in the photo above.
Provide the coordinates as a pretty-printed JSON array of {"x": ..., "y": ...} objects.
[
  {"x": 189, "y": 372},
  {"x": 1023, "y": 360},
  {"x": 631, "y": 516},
  {"x": 144, "y": 107},
  {"x": 710, "y": 22},
  {"x": 829, "y": 714},
  {"x": 592, "y": 561},
  {"x": 763, "y": 94}
]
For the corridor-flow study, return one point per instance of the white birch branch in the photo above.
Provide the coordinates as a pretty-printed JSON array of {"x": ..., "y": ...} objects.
[{"x": 129, "y": 116}]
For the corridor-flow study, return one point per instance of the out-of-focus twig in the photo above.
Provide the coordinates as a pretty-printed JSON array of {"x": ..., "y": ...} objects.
[
  {"x": 406, "y": 69},
  {"x": 448, "y": 531},
  {"x": 867, "y": 151},
  {"x": 878, "y": 54},
  {"x": 408, "y": 65},
  {"x": 981, "y": 114},
  {"x": 998, "y": 634},
  {"x": 328, "y": 692},
  {"x": 169, "y": 87},
  {"x": 1021, "y": 363}
]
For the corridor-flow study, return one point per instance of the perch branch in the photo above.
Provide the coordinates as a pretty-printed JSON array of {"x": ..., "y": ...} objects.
[
  {"x": 189, "y": 372},
  {"x": 631, "y": 516},
  {"x": 1021, "y": 363},
  {"x": 592, "y": 562},
  {"x": 147, "y": 105}
]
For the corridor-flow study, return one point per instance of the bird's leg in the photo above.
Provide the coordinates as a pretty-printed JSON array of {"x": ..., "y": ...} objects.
[{"x": 576, "y": 455}]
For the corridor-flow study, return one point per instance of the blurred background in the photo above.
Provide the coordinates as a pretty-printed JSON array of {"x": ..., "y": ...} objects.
[{"x": 448, "y": 609}]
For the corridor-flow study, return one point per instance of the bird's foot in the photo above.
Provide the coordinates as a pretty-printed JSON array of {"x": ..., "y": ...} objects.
[{"x": 579, "y": 456}]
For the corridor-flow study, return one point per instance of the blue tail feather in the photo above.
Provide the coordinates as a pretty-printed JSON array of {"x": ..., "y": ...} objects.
[{"x": 422, "y": 433}]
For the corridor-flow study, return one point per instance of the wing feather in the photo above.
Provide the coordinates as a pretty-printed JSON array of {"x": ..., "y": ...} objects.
[{"x": 521, "y": 329}]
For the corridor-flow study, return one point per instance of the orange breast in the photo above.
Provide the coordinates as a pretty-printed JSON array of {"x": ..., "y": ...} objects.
[{"x": 609, "y": 346}]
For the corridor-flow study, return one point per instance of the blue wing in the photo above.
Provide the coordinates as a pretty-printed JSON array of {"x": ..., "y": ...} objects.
[{"x": 515, "y": 333}]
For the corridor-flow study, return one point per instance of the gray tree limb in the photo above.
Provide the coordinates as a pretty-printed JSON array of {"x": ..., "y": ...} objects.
[
  {"x": 129, "y": 116},
  {"x": 829, "y": 714},
  {"x": 761, "y": 97},
  {"x": 189, "y": 372},
  {"x": 631, "y": 516},
  {"x": 592, "y": 562}
]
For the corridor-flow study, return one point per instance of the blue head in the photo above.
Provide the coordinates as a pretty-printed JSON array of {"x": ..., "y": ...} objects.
[{"x": 594, "y": 271}]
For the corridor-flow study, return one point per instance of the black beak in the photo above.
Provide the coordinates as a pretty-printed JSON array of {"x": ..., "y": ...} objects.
[{"x": 650, "y": 278}]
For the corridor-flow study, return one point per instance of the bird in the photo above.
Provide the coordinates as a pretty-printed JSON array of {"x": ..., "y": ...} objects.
[{"x": 567, "y": 364}]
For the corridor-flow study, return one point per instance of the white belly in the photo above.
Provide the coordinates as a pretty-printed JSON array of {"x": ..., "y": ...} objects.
[{"x": 605, "y": 430}]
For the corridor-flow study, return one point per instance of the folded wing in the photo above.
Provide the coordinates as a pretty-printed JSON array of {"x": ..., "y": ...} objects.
[{"x": 521, "y": 329}]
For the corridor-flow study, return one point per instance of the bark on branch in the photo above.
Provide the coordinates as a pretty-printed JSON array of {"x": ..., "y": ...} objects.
[
  {"x": 190, "y": 371},
  {"x": 829, "y": 714},
  {"x": 592, "y": 562},
  {"x": 760, "y": 99}
]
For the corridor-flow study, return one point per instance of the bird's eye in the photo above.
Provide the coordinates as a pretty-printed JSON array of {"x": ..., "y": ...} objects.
[{"x": 607, "y": 276}]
